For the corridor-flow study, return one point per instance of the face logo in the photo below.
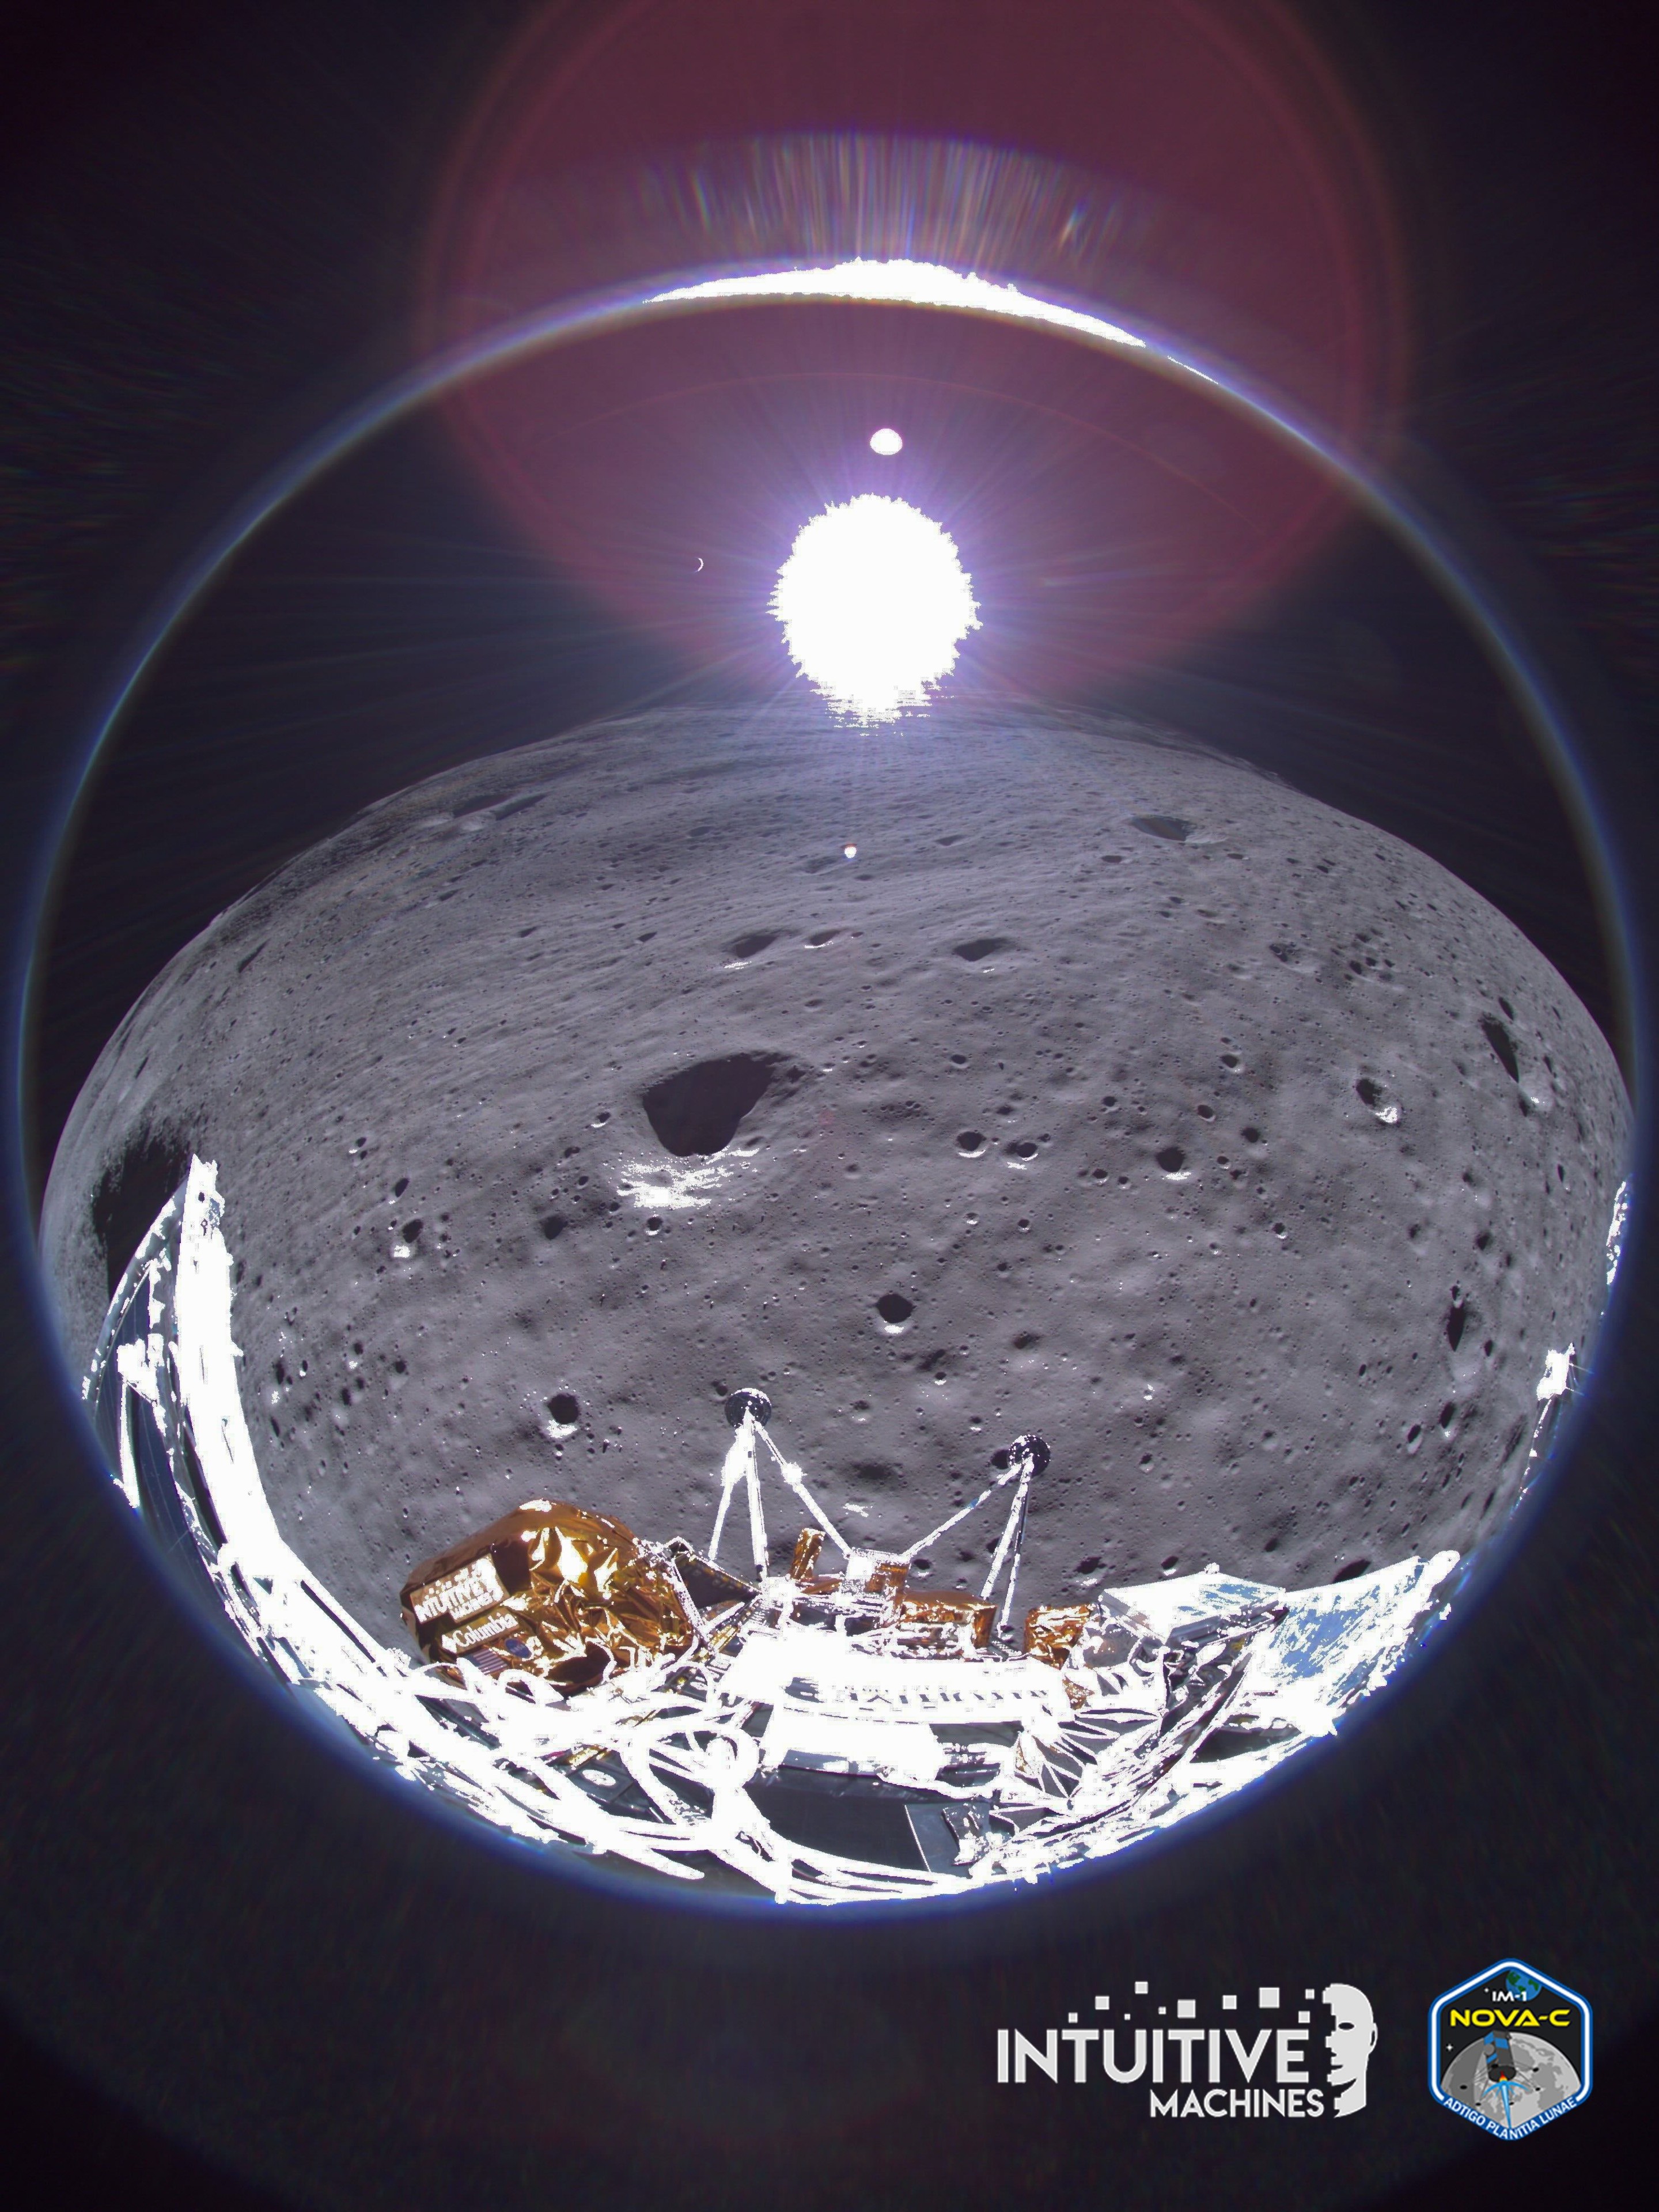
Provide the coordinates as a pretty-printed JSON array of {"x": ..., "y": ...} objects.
[
  {"x": 1350, "y": 2041},
  {"x": 1509, "y": 2050},
  {"x": 1231, "y": 2055}
]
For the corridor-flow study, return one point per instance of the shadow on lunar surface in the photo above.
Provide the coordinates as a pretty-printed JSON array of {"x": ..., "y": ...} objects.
[
  {"x": 1213, "y": 1244},
  {"x": 700, "y": 1110},
  {"x": 411, "y": 1352},
  {"x": 465, "y": 1283},
  {"x": 131, "y": 1192},
  {"x": 806, "y": 1738}
]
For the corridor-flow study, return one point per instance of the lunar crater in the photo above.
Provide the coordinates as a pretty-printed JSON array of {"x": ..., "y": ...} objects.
[
  {"x": 132, "y": 1190},
  {"x": 698, "y": 1110},
  {"x": 750, "y": 945},
  {"x": 735, "y": 1219}
]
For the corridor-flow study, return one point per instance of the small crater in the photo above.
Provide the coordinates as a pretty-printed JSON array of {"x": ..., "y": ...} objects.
[
  {"x": 1354, "y": 1567},
  {"x": 1457, "y": 1315},
  {"x": 564, "y": 1412},
  {"x": 400, "y": 1187},
  {"x": 410, "y": 1231},
  {"x": 1171, "y": 1160},
  {"x": 552, "y": 1225},
  {"x": 1232, "y": 1060},
  {"x": 895, "y": 1309},
  {"x": 1027, "y": 1340},
  {"x": 823, "y": 937},
  {"x": 1251, "y": 1135},
  {"x": 981, "y": 948},
  {"x": 1447, "y": 1412},
  {"x": 970, "y": 1143},
  {"x": 1168, "y": 826},
  {"x": 1021, "y": 1150},
  {"x": 1502, "y": 1044},
  {"x": 1372, "y": 1094},
  {"x": 751, "y": 944},
  {"x": 1169, "y": 1566},
  {"x": 1089, "y": 1566}
]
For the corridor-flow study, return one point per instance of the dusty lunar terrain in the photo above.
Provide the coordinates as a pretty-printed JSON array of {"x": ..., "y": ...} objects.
[{"x": 1111, "y": 1088}]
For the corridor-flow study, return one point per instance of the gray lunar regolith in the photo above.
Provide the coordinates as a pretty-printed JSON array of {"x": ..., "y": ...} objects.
[{"x": 1112, "y": 1088}]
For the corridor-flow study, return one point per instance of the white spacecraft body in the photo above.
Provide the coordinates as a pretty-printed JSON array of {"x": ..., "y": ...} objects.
[{"x": 820, "y": 1743}]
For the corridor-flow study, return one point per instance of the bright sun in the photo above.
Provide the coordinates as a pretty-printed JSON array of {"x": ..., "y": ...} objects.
[{"x": 874, "y": 603}]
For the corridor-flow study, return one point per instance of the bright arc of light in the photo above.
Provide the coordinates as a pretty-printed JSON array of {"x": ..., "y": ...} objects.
[
  {"x": 874, "y": 602},
  {"x": 907, "y": 284}
]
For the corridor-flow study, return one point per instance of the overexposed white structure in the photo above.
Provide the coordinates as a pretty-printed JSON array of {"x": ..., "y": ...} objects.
[
  {"x": 1001, "y": 1765},
  {"x": 874, "y": 602}
]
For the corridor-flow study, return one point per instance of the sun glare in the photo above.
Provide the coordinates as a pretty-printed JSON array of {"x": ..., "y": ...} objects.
[{"x": 874, "y": 602}]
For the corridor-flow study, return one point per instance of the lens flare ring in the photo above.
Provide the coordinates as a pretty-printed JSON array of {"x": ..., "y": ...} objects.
[{"x": 1423, "y": 531}]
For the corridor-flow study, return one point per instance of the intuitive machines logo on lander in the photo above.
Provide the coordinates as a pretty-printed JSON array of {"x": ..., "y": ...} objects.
[{"x": 1272, "y": 2059}]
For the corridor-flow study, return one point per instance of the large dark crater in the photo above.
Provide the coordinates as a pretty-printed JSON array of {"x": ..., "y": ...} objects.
[{"x": 1112, "y": 1090}]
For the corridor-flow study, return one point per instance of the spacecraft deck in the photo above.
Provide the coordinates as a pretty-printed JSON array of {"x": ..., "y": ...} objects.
[{"x": 809, "y": 1736}]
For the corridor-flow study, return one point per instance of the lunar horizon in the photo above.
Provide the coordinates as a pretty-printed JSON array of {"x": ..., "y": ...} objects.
[{"x": 1111, "y": 1088}]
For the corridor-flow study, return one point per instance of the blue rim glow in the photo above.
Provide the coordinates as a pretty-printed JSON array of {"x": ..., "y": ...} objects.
[{"x": 917, "y": 285}]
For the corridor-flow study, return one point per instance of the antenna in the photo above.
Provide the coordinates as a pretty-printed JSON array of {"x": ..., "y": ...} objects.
[
  {"x": 1028, "y": 1456},
  {"x": 749, "y": 1412}
]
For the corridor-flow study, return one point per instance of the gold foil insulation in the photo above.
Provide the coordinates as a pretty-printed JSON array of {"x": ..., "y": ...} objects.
[
  {"x": 803, "y": 1566},
  {"x": 552, "y": 1589},
  {"x": 1052, "y": 1632},
  {"x": 945, "y": 1624},
  {"x": 575, "y": 1597},
  {"x": 921, "y": 1624}
]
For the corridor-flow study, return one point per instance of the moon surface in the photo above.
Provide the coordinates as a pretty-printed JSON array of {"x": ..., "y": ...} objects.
[
  {"x": 1544, "y": 2075},
  {"x": 1112, "y": 1090}
]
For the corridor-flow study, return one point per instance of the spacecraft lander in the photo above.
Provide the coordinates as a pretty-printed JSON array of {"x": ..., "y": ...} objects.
[{"x": 828, "y": 1732}]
